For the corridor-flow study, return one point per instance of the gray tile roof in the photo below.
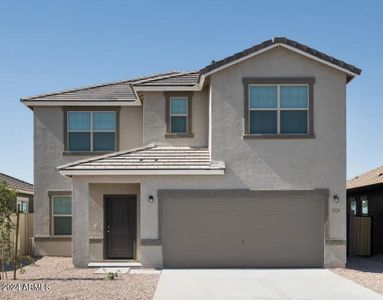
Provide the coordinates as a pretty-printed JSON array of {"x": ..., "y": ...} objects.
[
  {"x": 368, "y": 179},
  {"x": 119, "y": 91},
  {"x": 124, "y": 91},
  {"x": 182, "y": 79},
  {"x": 288, "y": 42},
  {"x": 150, "y": 157},
  {"x": 16, "y": 183}
]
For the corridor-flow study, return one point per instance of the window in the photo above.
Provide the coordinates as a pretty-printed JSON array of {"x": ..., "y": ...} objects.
[
  {"x": 352, "y": 205},
  {"x": 364, "y": 205},
  {"x": 91, "y": 131},
  {"x": 22, "y": 204},
  {"x": 178, "y": 114},
  {"x": 62, "y": 215},
  {"x": 278, "y": 109}
]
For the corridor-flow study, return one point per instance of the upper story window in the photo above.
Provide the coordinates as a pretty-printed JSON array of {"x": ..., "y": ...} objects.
[
  {"x": 91, "y": 131},
  {"x": 178, "y": 114},
  {"x": 278, "y": 107}
]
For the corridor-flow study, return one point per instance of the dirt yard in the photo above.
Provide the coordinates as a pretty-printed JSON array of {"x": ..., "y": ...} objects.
[
  {"x": 365, "y": 271},
  {"x": 58, "y": 279}
]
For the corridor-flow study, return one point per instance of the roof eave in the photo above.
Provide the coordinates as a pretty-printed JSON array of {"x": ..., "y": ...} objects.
[
  {"x": 366, "y": 187},
  {"x": 32, "y": 103},
  {"x": 137, "y": 172},
  {"x": 349, "y": 73}
]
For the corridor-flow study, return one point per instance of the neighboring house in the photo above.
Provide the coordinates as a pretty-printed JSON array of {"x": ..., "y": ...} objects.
[
  {"x": 239, "y": 164},
  {"x": 24, "y": 192},
  {"x": 365, "y": 204}
]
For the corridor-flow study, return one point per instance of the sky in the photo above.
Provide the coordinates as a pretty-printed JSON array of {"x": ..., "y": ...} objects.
[{"x": 53, "y": 45}]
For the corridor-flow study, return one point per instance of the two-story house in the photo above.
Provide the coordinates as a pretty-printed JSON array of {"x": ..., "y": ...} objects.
[{"x": 239, "y": 164}]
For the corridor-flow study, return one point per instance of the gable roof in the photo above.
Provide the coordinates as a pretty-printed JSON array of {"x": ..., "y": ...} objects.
[
  {"x": 180, "y": 79},
  {"x": 369, "y": 179},
  {"x": 17, "y": 184},
  {"x": 148, "y": 160},
  {"x": 125, "y": 92},
  {"x": 118, "y": 91},
  {"x": 281, "y": 41}
]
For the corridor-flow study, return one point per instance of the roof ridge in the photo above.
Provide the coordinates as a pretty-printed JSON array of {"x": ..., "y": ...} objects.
[
  {"x": 16, "y": 178},
  {"x": 164, "y": 77},
  {"x": 88, "y": 87},
  {"x": 91, "y": 159},
  {"x": 276, "y": 41}
]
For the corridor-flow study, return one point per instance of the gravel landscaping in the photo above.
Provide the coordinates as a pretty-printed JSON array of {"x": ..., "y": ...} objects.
[
  {"x": 67, "y": 282},
  {"x": 367, "y": 271}
]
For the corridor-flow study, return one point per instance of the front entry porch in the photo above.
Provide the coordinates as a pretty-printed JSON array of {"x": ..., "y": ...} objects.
[{"x": 106, "y": 223}]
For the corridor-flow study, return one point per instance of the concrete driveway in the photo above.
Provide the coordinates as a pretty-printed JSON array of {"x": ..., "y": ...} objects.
[{"x": 258, "y": 284}]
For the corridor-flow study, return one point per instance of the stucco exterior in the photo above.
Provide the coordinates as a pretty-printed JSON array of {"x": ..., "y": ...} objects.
[
  {"x": 272, "y": 165},
  {"x": 154, "y": 116},
  {"x": 286, "y": 164},
  {"x": 49, "y": 153}
]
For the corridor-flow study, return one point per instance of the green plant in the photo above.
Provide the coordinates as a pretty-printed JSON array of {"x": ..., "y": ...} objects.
[
  {"x": 7, "y": 210},
  {"x": 111, "y": 275}
]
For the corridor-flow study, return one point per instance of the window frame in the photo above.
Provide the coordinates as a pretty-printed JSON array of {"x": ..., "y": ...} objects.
[
  {"x": 53, "y": 214},
  {"x": 188, "y": 96},
  {"x": 185, "y": 115},
  {"x": 278, "y": 82},
  {"x": 90, "y": 110}
]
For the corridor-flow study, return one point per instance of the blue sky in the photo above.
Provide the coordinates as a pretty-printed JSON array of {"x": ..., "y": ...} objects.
[{"x": 52, "y": 45}]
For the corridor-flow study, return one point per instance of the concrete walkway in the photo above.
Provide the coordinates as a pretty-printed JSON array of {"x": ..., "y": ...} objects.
[{"x": 258, "y": 284}]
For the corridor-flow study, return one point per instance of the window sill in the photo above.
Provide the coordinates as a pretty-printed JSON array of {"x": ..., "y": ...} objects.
[
  {"x": 278, "y": 136},
  {"x": 53, "y": 237},
  {"x": 179, "y": 135},
  {"x": 87, "y": 153}
]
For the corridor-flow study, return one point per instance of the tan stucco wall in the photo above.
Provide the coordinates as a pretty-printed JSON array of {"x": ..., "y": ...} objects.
[
  {"x": 286, "y": 164},
  {"x": 155, "y": 119},
  {"x": 52, "y": 246},
  {"x": 250, "y": 164},
  {"x": 48, "y": 154}
]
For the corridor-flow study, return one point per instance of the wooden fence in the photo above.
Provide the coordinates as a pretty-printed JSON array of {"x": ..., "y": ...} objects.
[
  {"x": 25, "y": 234},
  {"x": 362, "y": 235}
]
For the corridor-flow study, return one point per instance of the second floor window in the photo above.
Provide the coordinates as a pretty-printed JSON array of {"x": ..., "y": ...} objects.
[
  {"x": 178, "y": 114},
  {"x": 91, "y": 131},
  {"x": 278, "y": 109}
]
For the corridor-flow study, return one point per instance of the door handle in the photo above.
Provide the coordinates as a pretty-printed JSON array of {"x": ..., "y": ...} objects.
[{"x": 108, "y": 231}]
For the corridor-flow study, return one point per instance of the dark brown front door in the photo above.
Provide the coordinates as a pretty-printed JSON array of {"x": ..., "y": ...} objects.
[{"x": 120, "y": 226}]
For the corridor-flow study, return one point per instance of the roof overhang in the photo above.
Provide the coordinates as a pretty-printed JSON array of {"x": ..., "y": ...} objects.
[
  {"x": 348, "y": 72},
  {"x": 70, "y": 173},
  {"x": 32, "y": 103},
  {"x": 162, "y": 88}
]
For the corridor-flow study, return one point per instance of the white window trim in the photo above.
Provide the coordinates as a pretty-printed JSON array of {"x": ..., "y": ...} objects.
[
  {"x": 53, "y": 216},
  {"x": 278, "y": 109},
  {"x": 91, "y": 130},
  {"x": 186, "y": 115}
]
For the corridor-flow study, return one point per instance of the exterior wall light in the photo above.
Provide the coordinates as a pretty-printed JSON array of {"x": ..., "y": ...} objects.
[
  {"x": 335, "y": 198},
  {"x": 151, "y": 198}
]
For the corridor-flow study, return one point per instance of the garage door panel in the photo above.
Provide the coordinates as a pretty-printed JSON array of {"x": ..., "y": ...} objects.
[{"x": 242, "y": 232}]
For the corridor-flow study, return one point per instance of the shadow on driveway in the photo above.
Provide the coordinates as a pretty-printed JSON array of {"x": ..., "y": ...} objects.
[{"x": 373, "y": 264}]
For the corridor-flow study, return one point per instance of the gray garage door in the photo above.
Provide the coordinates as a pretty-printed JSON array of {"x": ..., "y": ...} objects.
[{"x": 242, "y": 228}]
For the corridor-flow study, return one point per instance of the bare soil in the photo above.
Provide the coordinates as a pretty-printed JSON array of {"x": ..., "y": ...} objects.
[
  {"x": 367, "y": 271},
  {"x": 59, "y": 279}
]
